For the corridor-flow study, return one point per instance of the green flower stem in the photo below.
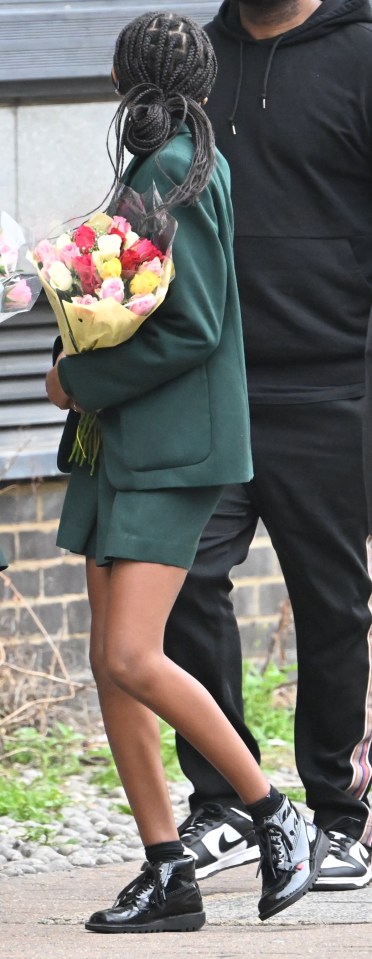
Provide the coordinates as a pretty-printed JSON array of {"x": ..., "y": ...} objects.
[{"x": 87, "y": 442}]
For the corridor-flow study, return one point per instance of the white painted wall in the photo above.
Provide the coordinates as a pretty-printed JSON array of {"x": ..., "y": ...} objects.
[{"x": 53, "y": 161}]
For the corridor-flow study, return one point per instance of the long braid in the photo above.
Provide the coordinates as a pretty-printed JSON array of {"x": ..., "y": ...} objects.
[{"x": 165, "y": 65}]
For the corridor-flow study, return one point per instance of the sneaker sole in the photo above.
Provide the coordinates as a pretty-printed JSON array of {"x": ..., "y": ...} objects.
[
  {"x": 190, "y": 922},
  {"x": 328, "y": 883},
  {"x": 321, "y": 848},
  {"x": 251, "y": 854}
]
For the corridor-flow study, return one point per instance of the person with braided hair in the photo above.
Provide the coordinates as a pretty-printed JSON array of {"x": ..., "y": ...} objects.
[{"x": 174, "y": 415}]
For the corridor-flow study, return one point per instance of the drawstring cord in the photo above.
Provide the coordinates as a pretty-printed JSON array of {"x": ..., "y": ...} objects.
[
  {"x": 268, "y": 68},
  {"x": 240, "y": 80},
  {"x": 237, "y": 97}
]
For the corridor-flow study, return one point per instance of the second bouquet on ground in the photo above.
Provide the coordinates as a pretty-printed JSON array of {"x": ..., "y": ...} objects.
[{"x": 104, "y": 278}]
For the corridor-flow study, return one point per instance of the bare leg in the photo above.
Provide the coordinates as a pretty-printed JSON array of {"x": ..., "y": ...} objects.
[
  {"x": 132, "y": 730},
  {"x": 141, "y": 596},
  {"x": 136, "y": 680}
]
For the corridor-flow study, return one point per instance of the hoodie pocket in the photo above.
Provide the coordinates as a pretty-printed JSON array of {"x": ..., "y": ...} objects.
[{"x": 304, "y": 299}]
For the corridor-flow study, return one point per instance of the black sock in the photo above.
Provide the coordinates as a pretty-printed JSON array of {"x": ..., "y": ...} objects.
[
  {"x": 164, "y": 851},
  {"x": 266, "y": 806}
]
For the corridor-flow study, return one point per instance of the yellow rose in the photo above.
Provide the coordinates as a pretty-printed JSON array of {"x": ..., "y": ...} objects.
[
  {"x": 144, "y": 282},
  {"x": 110, "y": 268}
]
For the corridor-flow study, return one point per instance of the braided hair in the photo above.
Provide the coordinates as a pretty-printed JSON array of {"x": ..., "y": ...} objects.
[{"x": 165, "y": 65}]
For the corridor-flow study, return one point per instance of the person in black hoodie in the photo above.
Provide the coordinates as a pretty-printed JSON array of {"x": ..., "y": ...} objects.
[{"x": 292, "y": 112}]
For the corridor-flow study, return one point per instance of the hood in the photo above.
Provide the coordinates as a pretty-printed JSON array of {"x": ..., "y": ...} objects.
[{"x": 331, "y": 15}]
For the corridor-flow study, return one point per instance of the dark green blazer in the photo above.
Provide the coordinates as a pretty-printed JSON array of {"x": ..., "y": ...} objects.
[{"x": 173, "y": 397}]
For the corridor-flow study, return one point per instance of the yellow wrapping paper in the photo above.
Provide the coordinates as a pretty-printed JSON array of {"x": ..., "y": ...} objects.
[{"x": 106, "y": 323}]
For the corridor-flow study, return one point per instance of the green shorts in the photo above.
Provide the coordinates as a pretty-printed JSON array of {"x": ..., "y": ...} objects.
[{"x": 152, "y": 526}]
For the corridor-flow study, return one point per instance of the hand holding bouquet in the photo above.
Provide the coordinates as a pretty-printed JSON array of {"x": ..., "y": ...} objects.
[
  {"x": 104, "y": 278},
  {"x": 19, "y": 287}
]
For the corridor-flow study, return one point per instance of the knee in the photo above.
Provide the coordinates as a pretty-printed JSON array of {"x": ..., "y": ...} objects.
[{"x": 135, "y": 674}]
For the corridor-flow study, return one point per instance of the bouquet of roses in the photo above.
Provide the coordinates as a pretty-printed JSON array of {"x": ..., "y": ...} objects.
[
  {"x": 19, "y": 287},
  {"x": 105, "y": 277}
]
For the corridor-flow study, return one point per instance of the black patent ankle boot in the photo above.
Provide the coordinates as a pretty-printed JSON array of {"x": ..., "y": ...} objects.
[
  {"x": 292, "y": 852},
  {"x": 164, "y": 898}
]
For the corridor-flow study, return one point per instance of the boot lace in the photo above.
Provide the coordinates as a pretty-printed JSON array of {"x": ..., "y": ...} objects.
[
  {"x": 273, "y": 842},
  {"x": 206, "y": 816},
  {"x": 150, "y": 878},
  {"x": 339, "y": 843}
]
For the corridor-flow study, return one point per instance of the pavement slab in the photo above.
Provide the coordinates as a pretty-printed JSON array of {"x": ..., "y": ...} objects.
[{"x": 42, "y": 917}]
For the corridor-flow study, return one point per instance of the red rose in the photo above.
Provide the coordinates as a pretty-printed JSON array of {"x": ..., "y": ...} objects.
[
  {"x": 85, "y": 238},
  {"x": 146, "y": 250},
  {"x": 129, "y": 262},
  {"x": 86, "y": 271}
]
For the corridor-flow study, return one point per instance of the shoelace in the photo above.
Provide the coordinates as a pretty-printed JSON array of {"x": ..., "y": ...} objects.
[
  {"x": 206, "y": 816},
  {"x": 273, "y": 839},
  {"x": 151, "y": 878},
  {"x": 338, "y": 843}
]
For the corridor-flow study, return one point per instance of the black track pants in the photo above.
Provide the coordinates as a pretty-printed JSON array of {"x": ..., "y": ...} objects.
[{"x": 308, "y": 489}]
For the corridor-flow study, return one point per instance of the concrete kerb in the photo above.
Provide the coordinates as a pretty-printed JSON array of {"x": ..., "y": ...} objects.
[{"x": 42, "y": 917}]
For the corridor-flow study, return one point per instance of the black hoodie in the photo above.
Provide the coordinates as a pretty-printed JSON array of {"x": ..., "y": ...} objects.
[{"x": 301, "y": 166}]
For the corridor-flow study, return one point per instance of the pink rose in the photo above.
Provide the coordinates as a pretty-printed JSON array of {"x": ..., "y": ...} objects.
[
  {"x": 8, "y": 257},
  {"x": 19, "y": 293},
  {"x": 67, "y": 254},
  {"x": 146, "y": 250},
  {"x": 113, "y": 287},
  {"x": 50, "y": 258},
  {"x": 42, "y": 250},
  {"x": 153, "y": 265},
  {"x": 86, "y": 300},
  {"x": 142, "y": 304},
  {"x": 120, "y": 225}
]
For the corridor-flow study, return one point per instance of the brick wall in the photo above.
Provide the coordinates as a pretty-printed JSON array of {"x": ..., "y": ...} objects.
[
  {"x": 49, "y": 580},
  {"x": 52, "y": 583}
]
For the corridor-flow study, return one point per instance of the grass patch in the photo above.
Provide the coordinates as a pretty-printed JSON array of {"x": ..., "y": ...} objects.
[
  {"x": 62, "y": 753},
  {"x": 296, "y": 794},
  {"x": 266, "y": 721}
]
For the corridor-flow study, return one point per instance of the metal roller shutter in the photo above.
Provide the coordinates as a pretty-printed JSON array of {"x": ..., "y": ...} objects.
[
  {"x": 30, "y": 426},
  {"x": 60, "y": 42},
  {"x": 52, "y": 51}
]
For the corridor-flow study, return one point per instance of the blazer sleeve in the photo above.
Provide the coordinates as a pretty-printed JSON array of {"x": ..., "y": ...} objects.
[{"x": 179, "y": 336}]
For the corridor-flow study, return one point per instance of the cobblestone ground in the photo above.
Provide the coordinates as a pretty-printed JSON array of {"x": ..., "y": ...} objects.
[{"x": 91, "y": 831}]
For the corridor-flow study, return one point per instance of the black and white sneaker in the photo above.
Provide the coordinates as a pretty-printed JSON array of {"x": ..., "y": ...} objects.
[
  {"x": 348, "y": 864},
  {"x": 219, "y": 837}
]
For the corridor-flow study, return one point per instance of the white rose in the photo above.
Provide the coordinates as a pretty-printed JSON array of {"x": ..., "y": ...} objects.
[
  {"x": 130, "y": 238},
  {"x": 63, "y": 240},
  {"x": 109, "y": 244},
  {"x": 60, "y": 277}
]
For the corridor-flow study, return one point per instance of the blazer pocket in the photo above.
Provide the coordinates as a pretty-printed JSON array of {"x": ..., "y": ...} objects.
[{"x": 169, "y": 427}]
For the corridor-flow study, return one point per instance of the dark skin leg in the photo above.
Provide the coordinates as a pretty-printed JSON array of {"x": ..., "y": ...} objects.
[{"x": 137, "y": 682}]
